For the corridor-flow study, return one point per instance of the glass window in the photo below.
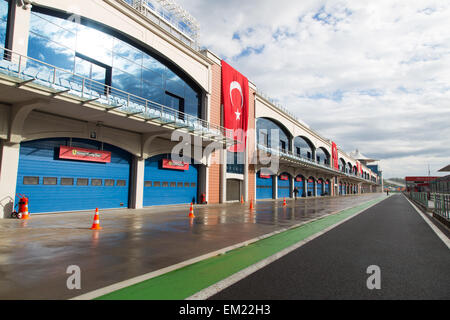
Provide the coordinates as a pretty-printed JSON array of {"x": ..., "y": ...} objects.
[
  {"x": 96, "y": 182},
  {"x": 82, "y": 182},
  {"x": 30, "y": 180},
  {"x": 152, "y": 77},
  {"x": 57, "y": 41},
  {"x": 51, "y": 28},
  {"x": 121, "y": 183},
  {"x": 152, "y": 93},
  {"x": 173, "y": 184},
  {"x": 148, "y": 184},
  {"x": 3, "y": 21},
  {"x": 95, "y": 44},
  {"x": 109, "y": 183},
  {"x": 126, "y": 82},
  {"x": 131, "y": 67},
  {"x": 51, "y": 52},
  {"x": 157, "y": 184},
  {"x": 67, "y": 181},
  {"x": 50, "y": 181},
  {"x": 180, "y": 185},
  {"x": 165, "y": 184},
  {"x": 124, "y": 50}
]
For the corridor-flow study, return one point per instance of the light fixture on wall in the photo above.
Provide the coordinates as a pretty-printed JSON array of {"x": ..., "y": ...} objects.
[{"x": 26, "y": 4}]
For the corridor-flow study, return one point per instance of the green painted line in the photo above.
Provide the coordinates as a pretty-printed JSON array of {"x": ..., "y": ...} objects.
[{"x": 183, "y": 283}]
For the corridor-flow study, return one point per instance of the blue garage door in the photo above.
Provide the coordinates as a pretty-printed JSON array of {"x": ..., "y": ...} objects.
[
  {"x": 53, "y": 184},
  {"x": 310, "y": 188},
  {"x": 327, "y": 188},
  {"x": 319, "y": 188},
  {"x": 169, "y": 186},
  {"x": 264, "y": 187},
  {"x": 340, "y": 188},
  {"x": 284, "y": 185},
  {"x": 298, "y": 183}
]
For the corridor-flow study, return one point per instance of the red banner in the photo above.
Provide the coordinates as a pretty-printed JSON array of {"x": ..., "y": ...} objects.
[
  {"x": 284, "y": 177},
  {"x": 235, "y": 100},
  {"x": 175, "y": 165},
  {"x": 298, "y": 179},
  {"x": 335, "y": 155},
  {"x": 84, "y": 154},
  {"x": 264, "y": 176}
]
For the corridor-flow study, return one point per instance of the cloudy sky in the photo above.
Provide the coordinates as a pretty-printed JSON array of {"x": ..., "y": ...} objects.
[{"x": 372, "y": 75}]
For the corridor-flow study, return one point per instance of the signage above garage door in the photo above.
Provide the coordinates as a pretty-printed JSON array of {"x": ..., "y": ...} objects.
[
  {"x": 174, "y": 165},
  {"x": 84, "y": 154}
]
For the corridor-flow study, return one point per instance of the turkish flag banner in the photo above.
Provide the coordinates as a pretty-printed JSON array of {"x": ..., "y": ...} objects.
[
  {"x": 235, "y": 100},
  {"x": 335, "y": 155}
]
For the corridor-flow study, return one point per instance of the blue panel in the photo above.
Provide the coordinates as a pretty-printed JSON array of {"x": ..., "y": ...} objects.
[
  {"x": 173, "y": 193},
  {"x": 299, "y": 185},
  {"x": 40, "y": 158},
  {"x": 327, "y": 189},
  {"x": 310, "y": 188},
  {"x": 319, "y": 188},
  {"x": 284, "y": 187},
  {"x": 264, "y": 187}
]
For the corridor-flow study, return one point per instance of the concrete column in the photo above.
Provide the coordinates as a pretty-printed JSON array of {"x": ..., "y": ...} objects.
[
  {"x": 275, "y": 186},
  {"x": 291, "y": 187},
  {"x": 223, "y": 176},
  {"x": 305, "y": 186},
  {"x": 246, "y": 176},
  {"x": 20, "y": 26},
  {"x": 9, "y": 166},
  {"x": 137, "y": 181}
]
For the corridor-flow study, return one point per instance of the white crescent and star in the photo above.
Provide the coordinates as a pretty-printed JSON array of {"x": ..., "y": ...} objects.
[{"x": 236, "y": 86}]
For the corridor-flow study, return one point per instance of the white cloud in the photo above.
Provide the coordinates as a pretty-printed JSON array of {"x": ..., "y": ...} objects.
[{"x": 371, "y": 75}]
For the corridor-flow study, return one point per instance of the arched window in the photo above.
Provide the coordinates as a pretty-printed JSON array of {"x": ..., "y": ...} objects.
[
  {"x": 272, "y": 134},
  {"x": 322, "y": 156},
  {"x": 304, "y": 148}
]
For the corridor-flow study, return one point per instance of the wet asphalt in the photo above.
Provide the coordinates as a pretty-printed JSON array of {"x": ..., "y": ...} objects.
[
  {"x": 35, "y": 254},
  {"x": 414, "y": 263}
]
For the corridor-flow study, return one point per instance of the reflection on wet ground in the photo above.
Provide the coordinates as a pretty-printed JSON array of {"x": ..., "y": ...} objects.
[{"x": 35, "y": 254}]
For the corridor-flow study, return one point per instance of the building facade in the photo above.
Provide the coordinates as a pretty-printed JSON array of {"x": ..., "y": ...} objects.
[{"x": 97, "y": 94}]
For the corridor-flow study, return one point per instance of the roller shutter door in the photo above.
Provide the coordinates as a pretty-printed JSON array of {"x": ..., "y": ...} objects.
[
  {"x": 169, "y": 186},
  {"x": 264, "y": 187},
  {"x": 55, "y": 185},
  {"x": 284, "y": 186},
  {"x": 327, "y": 188},
  {"x": 299, "y": 184},
  {"x": 310, "y": 188},
  {"x": 319, "y": 188}
]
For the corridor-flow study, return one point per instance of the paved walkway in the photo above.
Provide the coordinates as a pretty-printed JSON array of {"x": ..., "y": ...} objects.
[
  {"x": 35, "y": 254},
  {"x": 414, "y": 262}
]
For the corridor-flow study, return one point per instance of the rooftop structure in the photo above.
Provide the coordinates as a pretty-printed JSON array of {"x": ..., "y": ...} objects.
[{"x": 170, "y": 16}]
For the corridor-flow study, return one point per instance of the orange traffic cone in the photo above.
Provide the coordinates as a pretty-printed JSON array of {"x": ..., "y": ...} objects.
[
  {"x": 191, "y": 211},
  {"x": 25, "y": 214},
  {"x": 251, "y": 204},
  {"x": 284, "y": 202},
  {"x": 96, "y": 224},
  {"x": 242, "y": 199}
]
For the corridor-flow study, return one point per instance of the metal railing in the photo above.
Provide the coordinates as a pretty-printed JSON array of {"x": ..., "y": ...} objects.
[
  {"x": 420, "y": 197},
  {"x": 442, "y": 205},
  {"x": 307, "y": 161},
  {"x": 29, "y": 70},
  {"x": 178, "y": 22}
]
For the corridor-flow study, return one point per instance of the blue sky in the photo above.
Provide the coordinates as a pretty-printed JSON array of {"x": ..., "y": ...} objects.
[{"x": 371, "y": 75}]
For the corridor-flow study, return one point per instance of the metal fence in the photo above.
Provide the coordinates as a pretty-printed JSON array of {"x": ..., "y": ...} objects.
[
  {"x": 420, "y": 197},
  {"x": 442, "y": 205}
]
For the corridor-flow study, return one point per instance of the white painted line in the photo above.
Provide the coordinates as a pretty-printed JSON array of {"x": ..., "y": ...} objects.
[
  {"x": 227, "y": 282},
  {"x": 123, "y": 284},
  {"x": 436, "y": 230}
]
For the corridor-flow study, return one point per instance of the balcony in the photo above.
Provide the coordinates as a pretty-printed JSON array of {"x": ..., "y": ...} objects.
[
  {"x": 25, "y": 71},
  {"x": 309, "y": 163}
]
